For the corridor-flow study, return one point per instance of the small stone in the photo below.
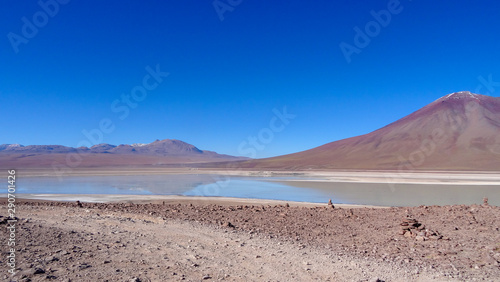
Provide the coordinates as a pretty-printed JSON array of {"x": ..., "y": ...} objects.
[
  {"x": 228, "y": 224},
  {"x": 410, "y": 220},
  {"x": 206, "y": 277},
  {"x": 39, "y": 270},
  {"x": 485, "y": 201},
  {"x": 84, "y": 266},
  {"x": 51, "y": 259},
  {"x": 330, "y": 204},
  {"x": 420, "y": 238}
]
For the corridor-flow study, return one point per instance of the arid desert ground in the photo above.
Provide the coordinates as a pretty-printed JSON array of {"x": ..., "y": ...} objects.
[
  {"x": 238, "y": 241},
  {"x": 175, "y": 238}
]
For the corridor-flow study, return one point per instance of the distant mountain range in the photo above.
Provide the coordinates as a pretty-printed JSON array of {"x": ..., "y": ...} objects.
[
  {"x": 460, "y": 131},
  {"x": 168, "y": 151}
]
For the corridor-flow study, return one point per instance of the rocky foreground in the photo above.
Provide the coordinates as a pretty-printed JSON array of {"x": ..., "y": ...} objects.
[{"x": 203, "y": 242}]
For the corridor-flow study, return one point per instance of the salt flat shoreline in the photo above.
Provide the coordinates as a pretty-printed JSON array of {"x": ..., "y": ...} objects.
[
  {"x": 408, "y": 177},
  {"x": 174, "y": 199}
]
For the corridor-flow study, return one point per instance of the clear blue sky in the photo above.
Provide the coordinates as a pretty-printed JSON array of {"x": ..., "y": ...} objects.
[{"x": 226, "y": 76}]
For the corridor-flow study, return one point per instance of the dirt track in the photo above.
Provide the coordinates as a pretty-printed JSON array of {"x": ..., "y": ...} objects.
[{"x": 155, "y": 242}]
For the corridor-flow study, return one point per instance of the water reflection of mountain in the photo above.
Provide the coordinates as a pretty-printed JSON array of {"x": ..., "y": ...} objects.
[
  {"x": 129, "y": 184},
  {"x": 162, "y": 184}
]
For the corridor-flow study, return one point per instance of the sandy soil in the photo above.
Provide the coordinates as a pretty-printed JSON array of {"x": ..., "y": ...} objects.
[{"x": 204, "y": 241}]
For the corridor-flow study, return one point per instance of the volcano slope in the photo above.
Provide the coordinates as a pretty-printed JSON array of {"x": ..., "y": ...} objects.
[{"x": 460, "y": 131}]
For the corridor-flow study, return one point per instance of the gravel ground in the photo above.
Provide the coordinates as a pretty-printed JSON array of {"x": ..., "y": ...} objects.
[{"x": 64, "y": 241}]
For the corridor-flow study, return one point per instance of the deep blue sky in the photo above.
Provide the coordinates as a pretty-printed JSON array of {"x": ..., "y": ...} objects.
[{"x": 226, "y": 77}]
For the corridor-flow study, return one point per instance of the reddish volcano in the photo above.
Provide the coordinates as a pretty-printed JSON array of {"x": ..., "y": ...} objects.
[{"x": 460, "y": 131}]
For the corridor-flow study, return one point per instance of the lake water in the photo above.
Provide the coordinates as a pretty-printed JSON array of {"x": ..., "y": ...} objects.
[{"x": 274, "y": 188}]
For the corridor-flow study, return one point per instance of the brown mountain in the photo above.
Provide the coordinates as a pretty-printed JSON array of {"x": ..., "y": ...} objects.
[
  {"x": 159, "y": 152},
  {"x": 460, "y": 131}
]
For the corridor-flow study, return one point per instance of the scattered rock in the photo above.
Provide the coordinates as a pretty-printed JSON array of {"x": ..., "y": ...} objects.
[
  {"x": 485, "y": 201},
  {"x": 84, "y": 266},
  {"x": 51, "y": 259},
  {"x": 228, "y": 224},
  {"x": 420, "y": 238},
  {"x": 369, "y": 233},
  {"x": 79, "y": 204},
  {"x": 4, "y": 220},
  {"x": 411, "y": 228},
  {"x": 38, "y": 270},
  {"x": 330, "y": 204}
]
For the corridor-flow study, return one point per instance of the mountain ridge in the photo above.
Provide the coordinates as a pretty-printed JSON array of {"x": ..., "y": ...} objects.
[
  {"x": 162, "y": 147},
  {"x": 159, "y": 152}
]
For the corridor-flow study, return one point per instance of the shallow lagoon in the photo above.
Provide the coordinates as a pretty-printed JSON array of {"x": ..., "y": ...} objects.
[{"x": 274, "y": 188}]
